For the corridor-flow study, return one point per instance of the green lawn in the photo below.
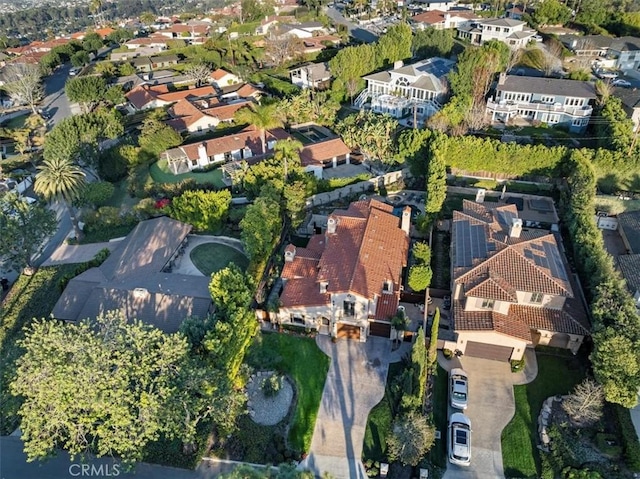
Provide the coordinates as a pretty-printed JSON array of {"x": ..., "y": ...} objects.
[
  {"x": 379, "y": 422},
  {"x": 17, "y": 122},
  {"x": 161, "y": 174},
  {"x": 212, "y": 257},
  {"x": 556, "y": 375},
  {"x": 307, "y": 365}
]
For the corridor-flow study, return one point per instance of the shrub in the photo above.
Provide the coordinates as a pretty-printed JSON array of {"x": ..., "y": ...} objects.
[
  {"x": 630, "y": 442},
  {"x": 517, "y": 365},
  {"x": 271, "y": 386},
  {"x": 447, "y": 353}
]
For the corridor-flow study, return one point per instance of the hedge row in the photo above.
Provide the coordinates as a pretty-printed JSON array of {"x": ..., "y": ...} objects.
[
  {"x": 630, "y": 441},
  {"x": 473, "y": 154}
]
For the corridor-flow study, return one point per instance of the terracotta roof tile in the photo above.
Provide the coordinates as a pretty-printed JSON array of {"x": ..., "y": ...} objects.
[
  {"x": 219, "y": 74},
  {"x": 299, "y": 268},
  {"x": 489, "y": 321},
  {"x": 387, "y": 306},
  {"x": 303, "y": 292},
  {"x": 548, "y": 319},
  {"x": 323, "y": 152},
  {"x": 226, "y": 112},
  {"x": 492, "y": 289},
  {"x": 201, "y": 92}
]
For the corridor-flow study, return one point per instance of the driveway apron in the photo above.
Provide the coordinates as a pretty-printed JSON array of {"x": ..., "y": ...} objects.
[{"x": 355, "y": 384}]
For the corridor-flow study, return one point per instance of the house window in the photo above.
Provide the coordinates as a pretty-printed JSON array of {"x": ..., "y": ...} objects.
[
  {"x": 487, "y": 304},
  {"x": 536, "y": 298},
  {"x": 296, "y": 318},
  {"x": 402, "y": 81},
  {"x": 547, "y": 99},
  {"x": 578, "y": 122},
  {"x": 349, "y": 308},
  {"x": 554, "y": 118}
]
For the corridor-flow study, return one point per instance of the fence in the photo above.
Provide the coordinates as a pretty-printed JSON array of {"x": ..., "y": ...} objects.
[{"x": 360, "y": 187}]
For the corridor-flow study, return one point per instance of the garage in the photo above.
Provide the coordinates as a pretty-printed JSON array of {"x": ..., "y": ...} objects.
[
  {"x": 348, "y": 331},
  {"x": 382, "y": 330},
  {"x": 488, "y": 351}
]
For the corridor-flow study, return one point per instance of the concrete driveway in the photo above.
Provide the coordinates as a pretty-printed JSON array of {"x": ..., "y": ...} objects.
[
  {"x": 491, "y": 407},
  {"x": 355, "y": 383}
]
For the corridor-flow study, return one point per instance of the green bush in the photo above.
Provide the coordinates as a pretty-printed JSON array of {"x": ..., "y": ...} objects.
[
  {"x": 271, "y": 386},
  {"x": 630, "y": 443},
  {"x": 79, "y": 268},
  {"x": 517, "y": 365}
]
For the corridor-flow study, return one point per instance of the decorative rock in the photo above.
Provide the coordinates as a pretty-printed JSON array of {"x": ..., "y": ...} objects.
[
  {"x": 270, "y": 410},
  {"x": 544, "y": 437}
]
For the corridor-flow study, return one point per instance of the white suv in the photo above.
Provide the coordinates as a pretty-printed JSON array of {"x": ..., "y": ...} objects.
[{"x": 459, "y": 444}]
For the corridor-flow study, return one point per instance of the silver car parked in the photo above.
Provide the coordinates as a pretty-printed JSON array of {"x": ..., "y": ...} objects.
[
  {"x": 459, "y": 444},
  {"x": 459, "y": 389}
]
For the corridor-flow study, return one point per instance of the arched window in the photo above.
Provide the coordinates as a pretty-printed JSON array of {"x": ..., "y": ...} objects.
[{"x": 402, "y": 81}]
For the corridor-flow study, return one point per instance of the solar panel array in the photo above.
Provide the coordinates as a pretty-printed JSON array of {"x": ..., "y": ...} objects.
[
  {"x": 471, "y": 243},
  {"x": 548, "y": 257},
  {"x": 435, "y": 66}
]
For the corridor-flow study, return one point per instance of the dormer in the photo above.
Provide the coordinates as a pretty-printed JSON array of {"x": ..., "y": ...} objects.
[
  {"x": 289, "y": 253},
  {"x": 387, "y": 286},
  {"x": 323, "y": 287}
]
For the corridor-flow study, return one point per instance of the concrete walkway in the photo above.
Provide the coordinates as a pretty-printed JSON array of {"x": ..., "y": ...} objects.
[
  {"x": 184, "y": 265},
  {"x": 354, "y": 385},
  {"x": 67, "y": 253},
  {"x": 491, "y": 407}
]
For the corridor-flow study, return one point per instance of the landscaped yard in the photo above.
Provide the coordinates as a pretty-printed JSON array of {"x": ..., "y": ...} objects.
[
  {"x": 161, "y": 174},
  {"x": 302, "y": 360},
  {"x": 556, "y": 375},
  {"x": 212, "y": 257}
]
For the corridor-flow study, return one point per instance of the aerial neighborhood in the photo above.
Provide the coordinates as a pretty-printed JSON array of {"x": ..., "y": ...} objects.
[{"x": 320, "y": 239}]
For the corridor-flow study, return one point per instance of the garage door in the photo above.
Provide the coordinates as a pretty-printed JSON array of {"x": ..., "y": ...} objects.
[
  {"x": 380, "y": 329},
  {"x": 348, "y": 331},
  {"x": 488, "y": 351}
]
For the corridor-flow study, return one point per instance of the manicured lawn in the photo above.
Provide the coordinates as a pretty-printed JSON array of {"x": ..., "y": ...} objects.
[
  {"x": 556, "y": 375},
  {"x": 379, "y": 422},
  {"x": 106, "y": 233},
  {"x": 161, "y": 174},
  {"x": 307, "y": 365},
  {"x": 212, "y": 257}
]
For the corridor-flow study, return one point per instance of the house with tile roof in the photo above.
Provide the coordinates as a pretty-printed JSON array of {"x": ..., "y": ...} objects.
[
  {"x": 441, "y": 20},
  {"x": 136, "y": 279},
  {"x": 551, "y": 101},
  {"x": 506, "y": 30},
  {"x": 244, "y": 145},
  {"x": 346, "y": 282},
  {"x": 418, "y": 88},
  {"x": 511, "y": 286},
  {"x": 222, "y": 78},
  {"x": 328, "y": 153}
]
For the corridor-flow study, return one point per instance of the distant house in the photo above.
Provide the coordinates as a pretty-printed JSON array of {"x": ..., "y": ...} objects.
[
  {"x": 587, "y": 45},
  {"x": 136, "y": 279},
  {"x": 515, "y": 13},
  {"x": 428, "y": 5},
  {"x": 187, "y": 118},
  {"x": 190, "y": 31},
  {"x": 546, "y": 100},
  {"x": 512, "y": 32},
  {"x": 300, "y": 30},
  {"x": 243, "y": 145},
  {"x": 164, "y": 61},
  {"x": 441, "y": 20},
  {"x": 512, "y": 288},
  {"x": 318, "y": 43},
  {"x": 149, "y": 42},
  {"x": 630, "y": 99},
  {"x": 222, "y": 78},
  {"x": 144, "y": 96},
  {"x": 314, "y": 75},
  {"x": 346, "y": 282},
  {"x": 272, "y": 21},
  {"x": 397, "y": 92}
]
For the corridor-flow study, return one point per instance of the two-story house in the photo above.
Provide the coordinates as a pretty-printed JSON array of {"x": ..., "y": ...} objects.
[
  {"x": 418, "y": 88},
  {"x": 511, "y": 287},
  {"x": 314, "y": 75},
  {"x": 506, "y": 30},
  {"x": 346, "y": 282},
  {"x": 546, "y": 100},
  {"x": 441, "y": 20}
]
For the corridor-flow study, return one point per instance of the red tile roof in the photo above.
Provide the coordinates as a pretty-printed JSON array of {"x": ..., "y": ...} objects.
[
  {"x": 204, "y": 91},
  {"x": 226, "y": 112},
  {"x": 323, "y": 152},
  {"x": 219, "y": 74},
  {"x": 367, "y": 249},
  {"x": 434, "y": 17},
  {"x": 140, "y": 95},
  {"x": 387, "y": 306}
]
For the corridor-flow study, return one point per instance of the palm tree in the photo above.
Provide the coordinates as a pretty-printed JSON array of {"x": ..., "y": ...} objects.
[
  {"x": 263, "y": 117},
  {"x": 285, "y": 151},
  {"x": 61, "y": 179}
]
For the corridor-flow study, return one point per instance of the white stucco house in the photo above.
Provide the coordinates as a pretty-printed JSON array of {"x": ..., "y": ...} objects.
[{"x": 507, "y": 30}]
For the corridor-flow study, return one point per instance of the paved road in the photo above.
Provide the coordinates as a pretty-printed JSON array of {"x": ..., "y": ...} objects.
[
  {"x": 355, "y": 31},
  {"x": 14, "y": 465},
  {"x": 55, "y": 102},
  {"x": 491, "y": 407},
  {"x": 355, "y": 383}
]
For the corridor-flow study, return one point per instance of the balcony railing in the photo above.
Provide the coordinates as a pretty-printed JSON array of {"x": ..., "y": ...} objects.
[{"x": 511, "y": 106}]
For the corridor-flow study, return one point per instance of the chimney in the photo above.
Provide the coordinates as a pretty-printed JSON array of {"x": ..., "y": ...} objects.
[
  {"x": 332, "y": 224},
  {"x": 398, "y": 64},
  {"x": 203, "y": 158},
  {"x": 502, "y": 78},
  {"x": 289, "y": 253},
  {"x": 480, "y": 195},
  {"x": 516, "y": 228},
  {"x": 405, "y": 224}
]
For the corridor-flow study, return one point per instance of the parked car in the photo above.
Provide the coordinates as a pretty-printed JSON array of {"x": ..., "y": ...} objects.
[
  {"x": 606, "y": 74},
  {"x": 621, "y": 82},
  {"x": 459, "y": 444},
  {"x": 74, "y": 71},
  {"x": 459, "y": 388}
]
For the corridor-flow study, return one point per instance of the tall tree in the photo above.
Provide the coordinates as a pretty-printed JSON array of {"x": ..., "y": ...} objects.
[
  {"x": 436, "y": 184},
  {"x": 260, "y": 227},
  {"x": 286, "y": 151},
  {"x": 263, "y": 117},
  {"x": 205, "y": 210},
  {"x": 411, "y": 437},
  {"x": 88, "y": 91},
  {"x": 24, "y": 227},
  {"x": 60, "y": 179},
  {"x": 105, "y": 386},
  {"x": 200, "y": 73},
  {"x": 23, "y": 83}
]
